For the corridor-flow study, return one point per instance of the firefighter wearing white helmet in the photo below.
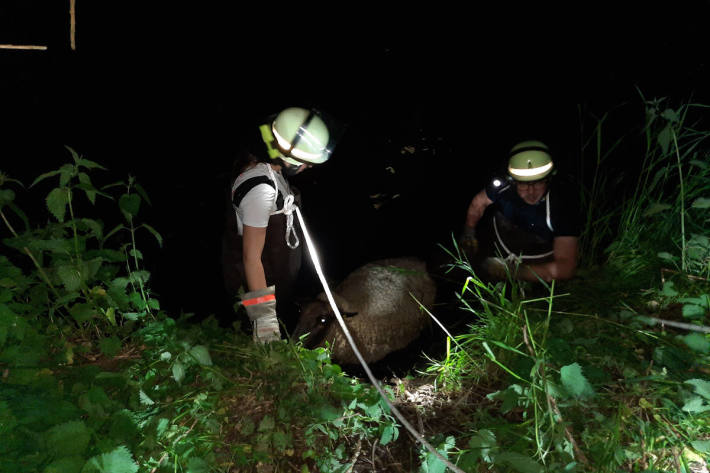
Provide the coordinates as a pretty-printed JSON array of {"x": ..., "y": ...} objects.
[
  {"x": 261, "y": 250},
  {"x": 533, "y": 228}
]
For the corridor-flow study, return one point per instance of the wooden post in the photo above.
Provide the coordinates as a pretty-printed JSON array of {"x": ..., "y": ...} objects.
[
  {"x": 23, "y": 46},
  {"x": 72, "y": 24}
]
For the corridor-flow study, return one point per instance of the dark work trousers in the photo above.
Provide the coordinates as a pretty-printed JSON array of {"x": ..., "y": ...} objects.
[{"x": 281, "y": 263}]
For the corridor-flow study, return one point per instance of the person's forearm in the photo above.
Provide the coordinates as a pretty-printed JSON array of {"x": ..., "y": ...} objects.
[
  {"x": 254, "y": 272},
  {"x": 476, "y": 209},
  {"x": 546, "y": 271}
]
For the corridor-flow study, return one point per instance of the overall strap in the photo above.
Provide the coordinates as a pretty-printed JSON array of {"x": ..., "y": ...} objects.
[{"x": 249, "y": 184}]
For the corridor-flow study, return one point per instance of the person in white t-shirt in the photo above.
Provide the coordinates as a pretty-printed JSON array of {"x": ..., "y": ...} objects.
[{"x": 261, "y": 245}]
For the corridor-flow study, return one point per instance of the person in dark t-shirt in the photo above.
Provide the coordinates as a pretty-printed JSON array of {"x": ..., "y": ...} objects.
[{"x": 534, "y": 230}]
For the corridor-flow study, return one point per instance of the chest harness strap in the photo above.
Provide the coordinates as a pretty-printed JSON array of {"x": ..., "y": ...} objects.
[
  {"x": 285, "y": 206},
  {"x": 513, "y": 256}
]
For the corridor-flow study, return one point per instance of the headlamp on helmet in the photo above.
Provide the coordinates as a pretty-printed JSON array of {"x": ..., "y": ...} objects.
[
  {"x": 297, "y": 136},
  {"x": 530, "y": 161}
]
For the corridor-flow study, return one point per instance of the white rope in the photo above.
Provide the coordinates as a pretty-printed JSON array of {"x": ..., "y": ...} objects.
[
  {"x": 510, "y": 253},
  {"x": 349, "y": 338},
  {"x": 287, "y": 210}
]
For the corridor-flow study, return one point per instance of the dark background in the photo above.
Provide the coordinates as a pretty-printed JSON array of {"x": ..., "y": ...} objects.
[{"x": 166, "y": 92}]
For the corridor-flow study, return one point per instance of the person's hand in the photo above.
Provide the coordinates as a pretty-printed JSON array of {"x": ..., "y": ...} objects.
[
  {"x": 499, "y": 268},
  {"x": 261, "y": 309},
  {"x": 468, "y": 242}
]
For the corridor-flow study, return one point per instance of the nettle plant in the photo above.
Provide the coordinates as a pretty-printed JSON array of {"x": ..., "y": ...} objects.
[{"x": 81, "y": 283}]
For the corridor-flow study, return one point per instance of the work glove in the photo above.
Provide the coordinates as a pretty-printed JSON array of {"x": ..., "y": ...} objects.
[
  {"x": 261, "y": 309},
  {"x": 468, "y": 242}
]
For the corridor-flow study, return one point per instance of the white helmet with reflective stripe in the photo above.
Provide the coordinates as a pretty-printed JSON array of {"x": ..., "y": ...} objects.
[
  {"x": 530, "y": 161},
  {"x": 301, "y": 136}
]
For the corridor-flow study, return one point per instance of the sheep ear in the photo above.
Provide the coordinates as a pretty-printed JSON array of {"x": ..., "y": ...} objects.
[{"x": 342, "y": 304}]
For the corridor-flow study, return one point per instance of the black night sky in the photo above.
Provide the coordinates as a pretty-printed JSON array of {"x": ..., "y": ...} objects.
[{"x": 165, "y": 92}]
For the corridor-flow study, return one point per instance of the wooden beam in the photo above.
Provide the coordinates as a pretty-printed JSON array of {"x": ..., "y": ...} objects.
[
  {"x": 72, "y": 24},
  {"x": 23, "y": 46}
]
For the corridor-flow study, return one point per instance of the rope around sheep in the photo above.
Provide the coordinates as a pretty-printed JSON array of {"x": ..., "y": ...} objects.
[{"x": 405, "y": 423}]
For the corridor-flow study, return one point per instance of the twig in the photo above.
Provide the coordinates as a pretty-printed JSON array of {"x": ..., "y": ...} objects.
[
  {"x": 374, "y": 447},
  {"x": 353, "y": 459},
  {"x": 675, "y": 460},
  {"x": 689, "y": 276},
  {"x": 683, "y": 325}
]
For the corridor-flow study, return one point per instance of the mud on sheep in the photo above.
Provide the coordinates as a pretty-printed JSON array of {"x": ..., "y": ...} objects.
[{"x": 377, "y": 302}]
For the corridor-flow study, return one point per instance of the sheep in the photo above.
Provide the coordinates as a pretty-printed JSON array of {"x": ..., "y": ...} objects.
[{"x": 377, "y": 307}]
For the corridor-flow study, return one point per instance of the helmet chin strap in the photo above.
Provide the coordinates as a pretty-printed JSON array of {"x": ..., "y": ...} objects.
[{"x": 290, "y": 169}]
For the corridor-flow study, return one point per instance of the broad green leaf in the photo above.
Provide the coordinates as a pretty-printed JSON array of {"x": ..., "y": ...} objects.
[
  {"x": 482, "y": 445},
  {"x": 155, "y": 234},
  {"x": 664, "y": 255},
  {"x": 70, "y": 277},
  {"x": 387, "y": 434},
  {"x": 145, "y": 400},
  {"x": 281, "y": 440},
  {"x": 81, "y": 312},
  {"x": 696, "y": 405},
  {"x": 72, "y": 151},
  {"x": 71, "y": 464},
  {"x": 162, "y": 426},
  {"x": 17, "y": 211},
  {"x": 41, "y": 177},
  {"x": 432, "y": 463},
  {"x": 7, "y": 419},
  {"x": 267, "y": 424},
  {"x": 670, "y": 115},
  {"x": 697, "y": 342},
  {"x": 700, "y": 164},
  {"x": 68, "y": 439},
  {"x": 111, "y": 315},
  {"x": 123, "y": 427},
  {"x": 664, "y": 138},
  {"x": 326, "y": 413},
  {"x": 703, "y": 446},
  {"x": 87, "y": 186},
  {"x": 115, "y": 229},
  {"x": 574, "y": 381},
  {"x": 110, "y": 346},
  {"x": 83, "y": 162},
  {"x": 197, "y": 465},
  {"x": 201, "y": 354},
  {"x": 140, "y": 277},
  {"x": 93, "y": 226},
  {"x": 117, "y": 461},
  {"x": 66, "y": 172},
  {"x": 701, "y": 203},
  {"x": 142, "y": 193},
  {"x": 693, "y": 311},
  {"x": 178, "y": 370},
  {"x": 656, "y": 208},
  {"x": 6, "y": 196},
  {"x": 518, "y": 462},
  {"x": 669, "y": 289},
  {"x": 57, "y": 201},
  {"x": 55, "y": 245},
  {"x": 130, "y": 203},
  {"x": 702, "y": 387}
]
